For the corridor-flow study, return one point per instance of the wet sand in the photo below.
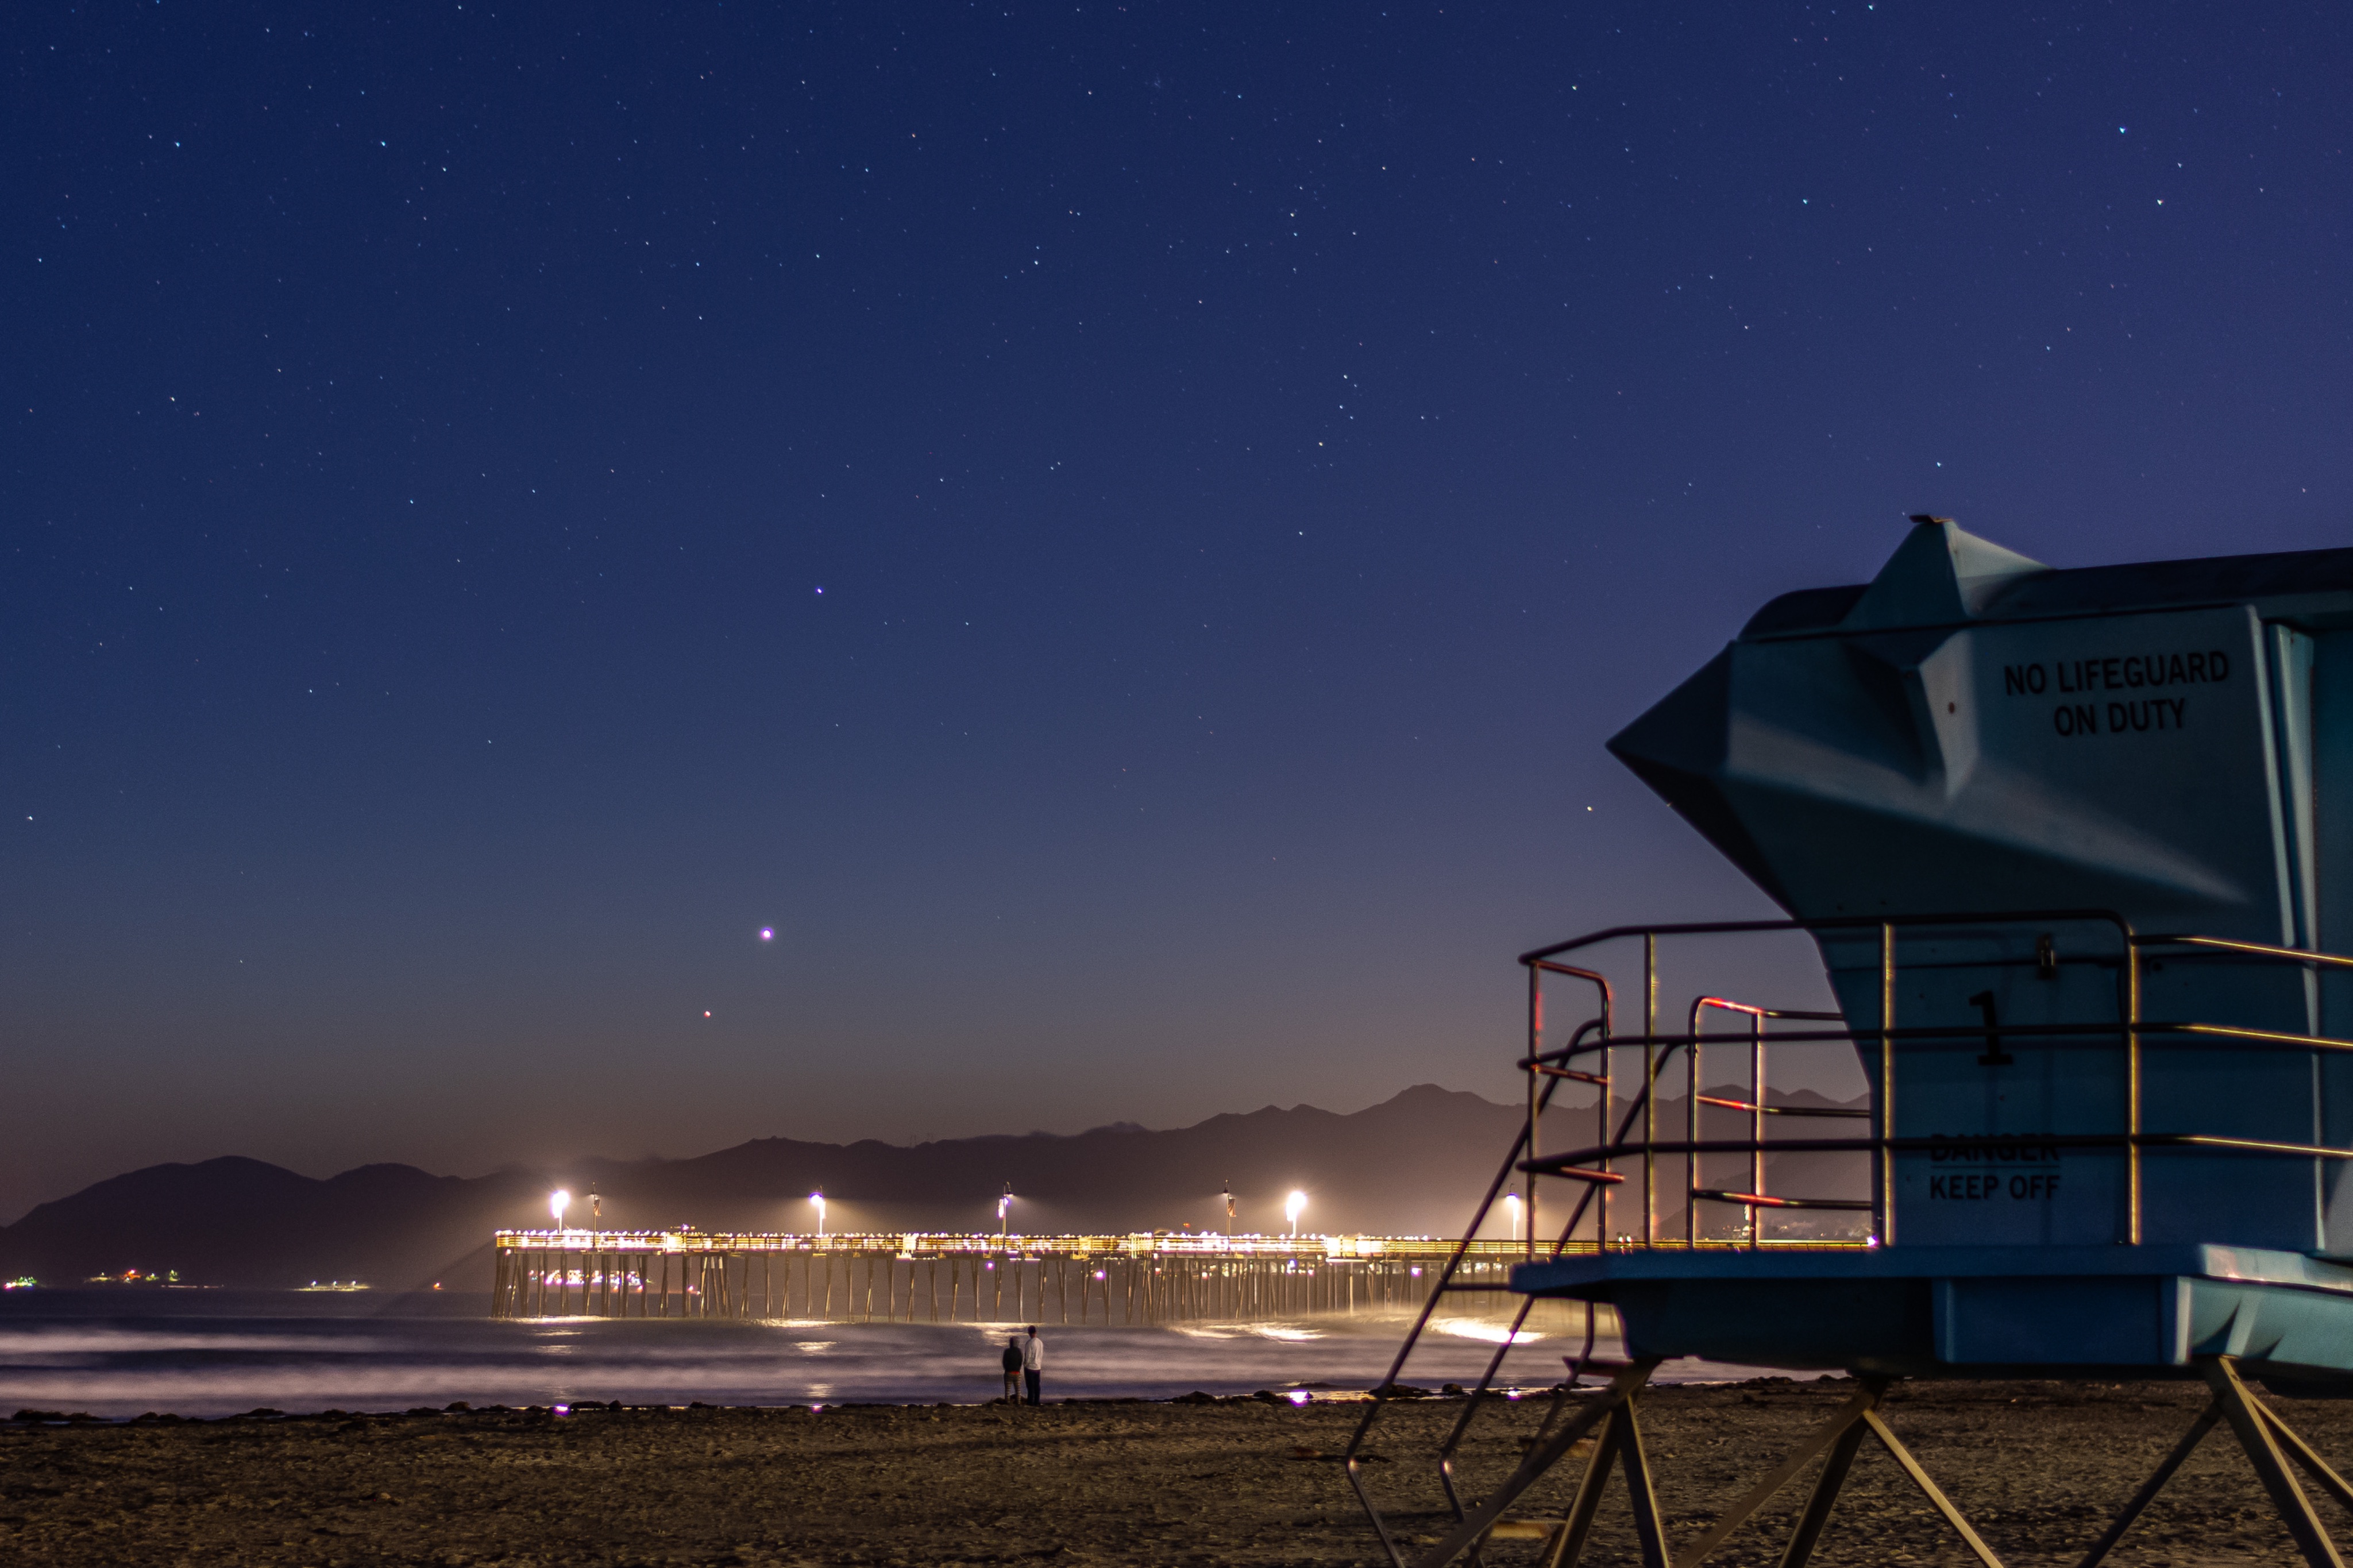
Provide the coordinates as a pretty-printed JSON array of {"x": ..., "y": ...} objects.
[{"x": 2038, "y": 1468}]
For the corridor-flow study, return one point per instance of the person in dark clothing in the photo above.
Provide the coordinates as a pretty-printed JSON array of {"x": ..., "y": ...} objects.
[
  {"x": 1033, "y": 1363},
  {"x": 1012, "y": 1359}
]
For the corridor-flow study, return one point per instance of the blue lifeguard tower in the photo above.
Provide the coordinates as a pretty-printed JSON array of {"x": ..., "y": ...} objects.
[{"x": 2070, "y": 845}]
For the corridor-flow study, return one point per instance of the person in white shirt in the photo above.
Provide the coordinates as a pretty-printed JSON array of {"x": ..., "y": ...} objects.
[{"x": 1033, "y": 1362}]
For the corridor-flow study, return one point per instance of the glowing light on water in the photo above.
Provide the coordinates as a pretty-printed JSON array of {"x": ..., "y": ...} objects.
[
  {"x": 1493, "y": 1333},
  {"x": 208, "y": 1366}
]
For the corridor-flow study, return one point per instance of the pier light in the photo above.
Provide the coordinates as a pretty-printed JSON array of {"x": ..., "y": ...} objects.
[
  {"x": 558, "y": 1202},
  {"x": 1292, "y": 1208},
  {"x": 816, "y": 1201},
  {"x": 1005, "y": 1213},
  {"x": 1512, "y": 1208}
]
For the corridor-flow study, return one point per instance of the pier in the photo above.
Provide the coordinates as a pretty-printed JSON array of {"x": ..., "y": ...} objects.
[{"x": 1136, "y": 1280}]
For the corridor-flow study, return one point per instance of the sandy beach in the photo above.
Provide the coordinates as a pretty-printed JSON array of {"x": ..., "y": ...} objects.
[{"x": 2037, "y": 1467}]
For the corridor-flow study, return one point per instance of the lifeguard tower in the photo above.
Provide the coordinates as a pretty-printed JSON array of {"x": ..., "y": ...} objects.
[{"x": 2070, "y": 845}]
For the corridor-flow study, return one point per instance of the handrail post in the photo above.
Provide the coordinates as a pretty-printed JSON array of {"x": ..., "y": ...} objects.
[
  {"x": 1650, "y": 1085},
  {"x": 1691, "y": 1135},
  {"x": 1536, "y": 1082},
  {"x": 1602, "y": 1109},
  {"x": 1755, "y": 1125},
  {"x": 2132, "y": 1090},
  {"x": 1885, "y": 1155}
]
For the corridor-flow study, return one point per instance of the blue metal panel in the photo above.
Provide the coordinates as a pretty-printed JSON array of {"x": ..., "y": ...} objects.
[
  {"x": 1802, "y": 1325},
  {"x": 2057, "y": 1320},
  {"x": 1975, "y": 731},
  {"x": 1972, "y": 1310},
  {"x": 2332, "y": 762}
]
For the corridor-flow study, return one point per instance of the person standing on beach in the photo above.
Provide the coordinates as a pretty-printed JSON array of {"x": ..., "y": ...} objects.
[
  {"x": 1013, "y": 1360},
  {"x": 1033, "y": 1362}
]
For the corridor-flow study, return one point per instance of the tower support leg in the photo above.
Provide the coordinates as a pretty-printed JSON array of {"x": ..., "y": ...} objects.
[
  {"x": 1757, "y": 1495},
  {"x": 1619, "y": 1442},
  {"x": 2256, "y": 1429},
  {"x": 1649, "y": 1533},
  {"x": 2150, "y": 1488},
  {"x": 1827, "y": 1485},
  {"x": 1473, "y": 1526},
  {"x": 1929, "y": 1488},
  {"x": 2312, "y": 1464},
  {"x": 1567, "y": 1542},
  {"x": 1840, "y": 1438}
]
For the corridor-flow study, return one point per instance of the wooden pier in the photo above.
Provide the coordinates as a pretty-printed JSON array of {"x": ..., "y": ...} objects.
[{"x": 1113, "y": 1280}]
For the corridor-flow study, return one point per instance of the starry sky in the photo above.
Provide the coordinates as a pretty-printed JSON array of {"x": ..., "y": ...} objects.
[{"x": 1115, "y": 533}]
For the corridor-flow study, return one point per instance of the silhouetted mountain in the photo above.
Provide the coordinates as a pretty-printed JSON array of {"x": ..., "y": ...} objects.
[
  {"x": 235, "y": 1221},
  {"x": 1414, "y": 1164}
]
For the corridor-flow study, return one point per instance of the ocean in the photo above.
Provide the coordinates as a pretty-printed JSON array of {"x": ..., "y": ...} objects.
[{"x": 125, "y": 1352}]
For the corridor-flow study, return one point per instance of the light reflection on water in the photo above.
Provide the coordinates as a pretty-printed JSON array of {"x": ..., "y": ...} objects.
[{"x": 120, "y": 1355}]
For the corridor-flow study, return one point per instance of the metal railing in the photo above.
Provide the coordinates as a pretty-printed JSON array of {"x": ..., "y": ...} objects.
[
  {"x": 942, "y": 1244},
  {"x": 1627, "y": 1140},
  {"x": 2130, "y": 1033}
]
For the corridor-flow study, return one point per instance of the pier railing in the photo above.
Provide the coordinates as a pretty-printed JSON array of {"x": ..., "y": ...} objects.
[{"x": 932, "y": 1276}]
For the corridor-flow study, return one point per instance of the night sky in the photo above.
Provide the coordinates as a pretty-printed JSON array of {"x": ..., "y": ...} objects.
[{"x": 1116, "y": 533}]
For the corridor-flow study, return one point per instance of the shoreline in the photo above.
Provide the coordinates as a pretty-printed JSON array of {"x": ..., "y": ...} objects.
[
  {"x": 1293, "y": 1396},
  {"x": 211, "y": 1366},
  {"x": 2038, "y": 1468}
]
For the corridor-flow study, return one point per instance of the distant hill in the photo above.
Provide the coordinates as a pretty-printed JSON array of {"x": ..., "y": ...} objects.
[{"x": 1412, "y": 1165}]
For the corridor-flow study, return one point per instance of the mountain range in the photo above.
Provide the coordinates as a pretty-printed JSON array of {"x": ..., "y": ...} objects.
[{"x": 1414, "y": 1164}]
